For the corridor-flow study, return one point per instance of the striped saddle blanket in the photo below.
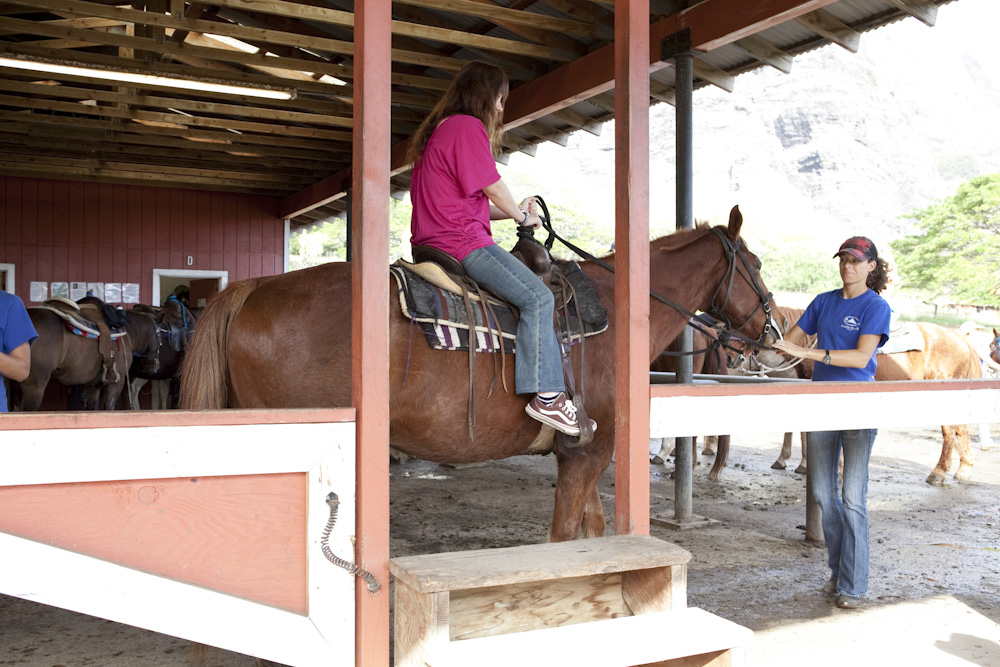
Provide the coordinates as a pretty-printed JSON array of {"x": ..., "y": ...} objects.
[{"x": 442, "y": 316}]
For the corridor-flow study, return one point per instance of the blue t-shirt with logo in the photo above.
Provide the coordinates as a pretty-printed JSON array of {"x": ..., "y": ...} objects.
[
  {"x": 15, "y": 330},
  {"x": 838, "y": 324}
]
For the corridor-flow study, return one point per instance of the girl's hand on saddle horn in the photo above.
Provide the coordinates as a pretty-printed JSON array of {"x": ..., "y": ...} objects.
[{"x": 528, "y": 206}]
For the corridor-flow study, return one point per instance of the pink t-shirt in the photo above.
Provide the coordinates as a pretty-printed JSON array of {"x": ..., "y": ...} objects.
[{"x": 450, "y": 210}]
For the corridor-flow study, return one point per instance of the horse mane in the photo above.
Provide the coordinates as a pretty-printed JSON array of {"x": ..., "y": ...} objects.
[
  {"x": 113, "y": 317},
  {"x": 141, "y": 327}
]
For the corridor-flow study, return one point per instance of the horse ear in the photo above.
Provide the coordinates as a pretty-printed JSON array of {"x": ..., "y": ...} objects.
[{"x": 735, "y": 223}]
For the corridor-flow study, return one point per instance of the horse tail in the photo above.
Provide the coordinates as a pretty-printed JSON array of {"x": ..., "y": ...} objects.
[{"x": 205, "y": 370}]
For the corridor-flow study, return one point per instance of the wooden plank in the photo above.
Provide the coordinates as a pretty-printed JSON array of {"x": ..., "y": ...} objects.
[
  {"x": 618, "y": 642},
  {"x": 714, "y": 75},
  {"x": 655, "y": 589},
  {"x": 631, "y": 288},
  {"x": 767, "y": 53},
  {"x": 461, "y": 570},
  {"x": 924, "y": 10},
  {"x": 819, "y": 405},
  {"x": 369, "y": 320},
  {"x": 421, "y": 625},
  {"x": 826, "y": 25},
  {"x": 498, "y": 610},
  {"x": 194, "y": 530}
]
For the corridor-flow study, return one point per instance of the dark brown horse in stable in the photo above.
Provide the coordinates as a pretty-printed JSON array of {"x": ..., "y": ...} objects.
[
  {"x": 160, "y": 338},
  {"x": 72, "y": 359},
  {"x": 285, "y": 342}
]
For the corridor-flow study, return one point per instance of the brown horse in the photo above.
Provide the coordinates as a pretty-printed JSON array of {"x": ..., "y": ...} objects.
[
  {"x": 71, "y": 359},
  {"x": 160, "y": 339},
  {"x": 946, "y": 355},
  {"x": 285, "y": 341},
  {"x": 712, "y": 360}
]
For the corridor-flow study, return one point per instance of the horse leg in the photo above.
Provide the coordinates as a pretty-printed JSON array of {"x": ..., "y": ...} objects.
[
  {"x": 940, "y": 472},
  {"x": 986, "y": 443},
  {"x": 711, "y": 445},
  {"x": 785, "y": 454},
  {"x": 721, "y": 459},
  {"x": 133, "y": 391},
  {"x": 576, "y": 493},
  {"x": 803, "y": 467},
  {"x": 593, "y": 515},
  {"x": 964, "y": 472}
]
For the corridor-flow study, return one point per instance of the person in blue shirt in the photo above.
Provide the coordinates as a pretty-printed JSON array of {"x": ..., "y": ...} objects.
[
  {"x": 16, "y": 335},
  {"x": 850, "y": 324}
]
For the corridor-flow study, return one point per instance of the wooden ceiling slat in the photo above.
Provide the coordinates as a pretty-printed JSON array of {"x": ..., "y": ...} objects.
[
  {"x": 235, "y": 31},
  {"x": 825, "y": 25},
  {"x": 502, "y": 15},
  {"x": 308, "y": 135},
  {"x": 69, "y": 92},
  {"x": 923, "y": 10},
  {"x": 766, "y": 52},
  {"x": 62, "y": 127}
]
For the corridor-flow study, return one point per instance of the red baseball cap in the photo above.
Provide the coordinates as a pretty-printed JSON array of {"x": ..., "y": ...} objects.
[{"x": 859, "y": 247}]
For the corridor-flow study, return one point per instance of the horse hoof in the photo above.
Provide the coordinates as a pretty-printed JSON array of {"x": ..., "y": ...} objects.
[
  {"x": 963, "y": 476},
  {"x": 935, "y": 479},
  {"x": 777, "y": 465},
  {"x": 802, "y": 469}
]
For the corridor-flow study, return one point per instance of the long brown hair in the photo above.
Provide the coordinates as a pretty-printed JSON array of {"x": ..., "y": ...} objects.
[{"x": 473, "y": 92}]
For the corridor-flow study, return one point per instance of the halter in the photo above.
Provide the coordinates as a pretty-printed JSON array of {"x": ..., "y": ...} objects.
[{"x": 732, "y": 251}]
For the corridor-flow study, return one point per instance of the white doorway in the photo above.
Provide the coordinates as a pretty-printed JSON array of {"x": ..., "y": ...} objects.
[
  {"x": 165, "y": 281},
  {"x": 7, "y": 278}
]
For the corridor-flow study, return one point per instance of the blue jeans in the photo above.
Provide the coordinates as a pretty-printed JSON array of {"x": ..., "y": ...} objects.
[
  {"x": 845, "y": 519},
  {"x": 537, "y": 362}
]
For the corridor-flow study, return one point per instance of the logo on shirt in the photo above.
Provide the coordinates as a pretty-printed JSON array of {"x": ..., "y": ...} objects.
[{"x": 851, "y": 323}]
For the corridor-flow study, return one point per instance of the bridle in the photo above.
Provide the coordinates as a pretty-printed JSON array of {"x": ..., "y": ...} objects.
[{"x": 732, "y": 251}]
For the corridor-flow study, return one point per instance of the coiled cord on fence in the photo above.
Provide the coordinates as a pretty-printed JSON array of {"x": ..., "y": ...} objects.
[{"x": 334, "y": 503}]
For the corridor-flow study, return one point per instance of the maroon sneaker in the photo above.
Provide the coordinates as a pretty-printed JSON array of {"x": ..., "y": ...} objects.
[{"x": 560, "y": 415}]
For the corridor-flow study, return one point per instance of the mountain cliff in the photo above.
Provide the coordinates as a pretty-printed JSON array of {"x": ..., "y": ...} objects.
[{"x": 845, "y": 144}]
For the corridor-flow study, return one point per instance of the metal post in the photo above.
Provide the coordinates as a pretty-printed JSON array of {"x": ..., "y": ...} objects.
[
  {"x": 684, "y": 86},
  {"x": 677, "y": 48}
]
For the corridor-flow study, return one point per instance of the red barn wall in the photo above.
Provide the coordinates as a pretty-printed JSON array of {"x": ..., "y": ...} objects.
[{"x": 66, "y": 231}]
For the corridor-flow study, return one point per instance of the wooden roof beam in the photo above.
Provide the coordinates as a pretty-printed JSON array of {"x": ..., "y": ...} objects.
[
  {"x": 923, "y": 10},
  {"x": 827, "y": 26},
  {"x": 767, "y": 53}
]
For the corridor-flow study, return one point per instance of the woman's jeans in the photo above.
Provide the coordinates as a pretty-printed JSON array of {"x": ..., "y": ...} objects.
[
  {"x": 537, "y": 362},
  {"x": 845, "y": 521}
]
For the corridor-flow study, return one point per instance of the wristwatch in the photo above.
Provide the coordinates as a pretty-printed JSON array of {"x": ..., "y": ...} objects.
[
  {"x": 826, "y": 357},
  {"x": 526, "y": 216}
]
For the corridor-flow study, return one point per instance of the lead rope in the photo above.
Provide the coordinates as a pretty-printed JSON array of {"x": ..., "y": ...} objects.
[{"x": 334, "y": 503}]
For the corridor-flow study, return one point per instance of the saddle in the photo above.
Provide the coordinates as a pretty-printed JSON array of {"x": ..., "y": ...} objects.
[
  {"x": 445, "y": 272},
  {"x": 89, "y": 320}
]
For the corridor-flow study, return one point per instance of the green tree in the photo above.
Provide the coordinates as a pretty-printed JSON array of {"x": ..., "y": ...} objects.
[
  {"x": 956, "y": 252},
  {"x": 797, "y": 269}
]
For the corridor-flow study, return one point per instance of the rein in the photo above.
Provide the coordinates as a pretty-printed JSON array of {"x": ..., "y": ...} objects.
[{"x": 732, "y": 251}]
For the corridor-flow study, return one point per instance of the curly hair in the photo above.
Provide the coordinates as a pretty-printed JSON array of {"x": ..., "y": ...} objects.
[
  {"x": 878, "y": 279},
  {"x": 473, "y": 92}
]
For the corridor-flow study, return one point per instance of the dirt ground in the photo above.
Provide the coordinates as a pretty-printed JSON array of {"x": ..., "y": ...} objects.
[{"x": 934, "y": 595}]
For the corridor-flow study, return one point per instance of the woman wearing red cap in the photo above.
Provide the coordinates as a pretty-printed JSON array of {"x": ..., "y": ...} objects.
[{"x": 850, "y": 323}]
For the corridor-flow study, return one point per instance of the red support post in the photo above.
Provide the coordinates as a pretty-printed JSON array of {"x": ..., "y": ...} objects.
[
  {"x": 632, "y": 267},
  {"x": 370, "y": 332}
]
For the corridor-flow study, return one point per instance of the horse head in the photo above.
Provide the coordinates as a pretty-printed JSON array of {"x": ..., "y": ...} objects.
[{"x": 740, "y": 299}]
